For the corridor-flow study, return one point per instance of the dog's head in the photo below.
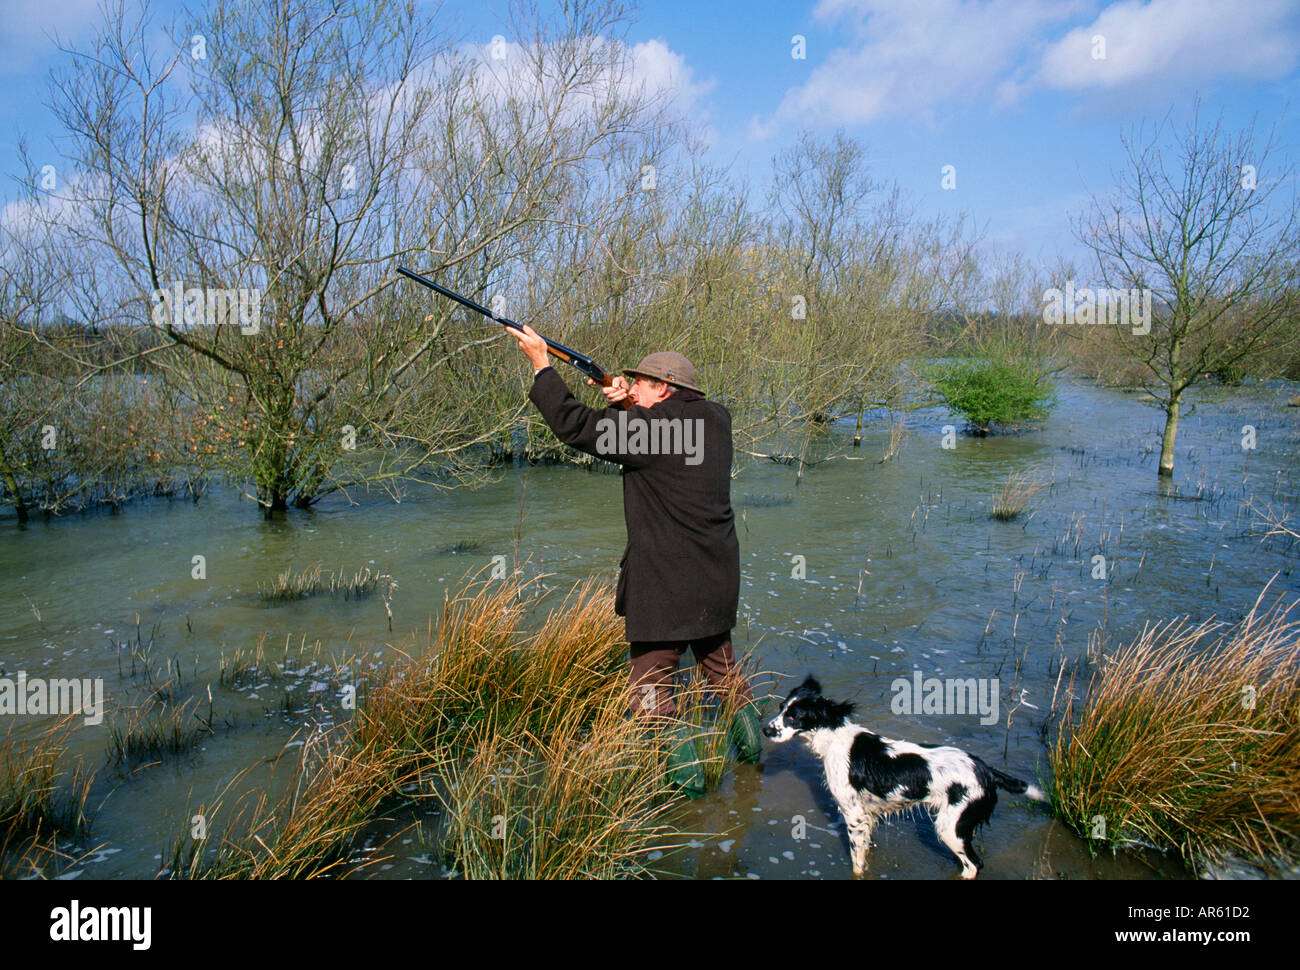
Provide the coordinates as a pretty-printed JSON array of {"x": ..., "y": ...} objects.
[{"x": 806, "y": 710}]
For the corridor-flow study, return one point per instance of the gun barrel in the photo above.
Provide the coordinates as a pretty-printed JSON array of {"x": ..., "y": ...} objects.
[{"x": 581, "y": 361}]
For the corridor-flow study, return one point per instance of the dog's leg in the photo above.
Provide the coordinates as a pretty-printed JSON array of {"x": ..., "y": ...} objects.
[
  {"x": 859, "y": 822},
  {"x": 946, "y": 825}
]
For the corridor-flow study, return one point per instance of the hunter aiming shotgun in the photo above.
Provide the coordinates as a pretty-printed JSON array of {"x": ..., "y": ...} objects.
[
  {"x": 679, "y": 578},
  {"x": 581, "y": 361}
]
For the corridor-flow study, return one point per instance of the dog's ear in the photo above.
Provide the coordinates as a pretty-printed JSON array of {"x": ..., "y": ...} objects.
[
  {"x": 840, "y": 712},
  {"x": 810, "y": 684}
]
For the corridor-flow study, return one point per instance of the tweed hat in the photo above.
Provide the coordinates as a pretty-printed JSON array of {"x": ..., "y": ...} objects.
[{"x": 666, "y": 366}]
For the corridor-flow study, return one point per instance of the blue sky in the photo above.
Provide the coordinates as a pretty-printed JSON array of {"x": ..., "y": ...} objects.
[{"x": 1009, "y": 92}]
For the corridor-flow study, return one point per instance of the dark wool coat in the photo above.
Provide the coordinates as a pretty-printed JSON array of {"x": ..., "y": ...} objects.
[{"x": 680, "y": 575}]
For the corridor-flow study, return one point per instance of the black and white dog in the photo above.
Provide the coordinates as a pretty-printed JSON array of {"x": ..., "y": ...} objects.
[{"x": 872, "y": 776}]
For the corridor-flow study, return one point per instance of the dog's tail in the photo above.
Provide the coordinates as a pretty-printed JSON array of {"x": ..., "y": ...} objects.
[{"x": 1016, "y": 786}]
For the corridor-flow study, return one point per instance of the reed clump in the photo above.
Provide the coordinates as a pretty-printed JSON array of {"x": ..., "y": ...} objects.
[
  {"x": 257, "y": 665},
  {"x": 250, "y": 665},
  {"x": 517, "y": 735},
  {"x": 1015, "y": 496},
  {"x": 894, "y": 446},
  {"x": 589, "y": 803},
  {"x": 38, "y": 804},
  {"x": 290, "y": 585},
  {"x": 158, "y": 728},
  {"x": 1190, "y": 742}
]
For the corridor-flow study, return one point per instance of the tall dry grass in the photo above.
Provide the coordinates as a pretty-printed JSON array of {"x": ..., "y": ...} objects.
[
  {"x": 1014, "y": 497},
  {"x": 38, "y": 804},
  {"x": 517, "y": 734},
  {"x": 1190, "y": 741},
  {"x": 894, "y": 447},
  {"x": 590, "y": 803}
]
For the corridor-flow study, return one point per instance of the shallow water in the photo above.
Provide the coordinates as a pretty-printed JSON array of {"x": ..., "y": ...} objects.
[{"x": 904, "y": 569}]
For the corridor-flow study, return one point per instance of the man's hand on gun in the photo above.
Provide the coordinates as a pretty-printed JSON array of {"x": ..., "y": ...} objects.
[
  {"x": 534, "y": 348},
  {"x": 532, "y": 344},
  {"x": 616, "y": 392}
]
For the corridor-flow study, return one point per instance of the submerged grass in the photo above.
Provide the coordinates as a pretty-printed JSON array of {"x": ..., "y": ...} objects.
[
  {"x": 1190, "y": 741},
  {"x": 37, "y": 805},
  {"x": 156, "y": 729},
  {"x": 252, "y": 666},
  {"x": 894, "y": 447},
  {"x": 1014, "y": 497},
  {"x": 517, "y": 735},
  {"x": 315, "y": 579}
]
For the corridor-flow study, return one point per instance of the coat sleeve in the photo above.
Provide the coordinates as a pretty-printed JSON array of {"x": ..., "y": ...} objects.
[{"x": 576, "y": 424}]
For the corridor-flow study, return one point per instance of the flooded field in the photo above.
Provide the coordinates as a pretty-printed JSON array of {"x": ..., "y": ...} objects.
[{"x": 862, "y": 573}]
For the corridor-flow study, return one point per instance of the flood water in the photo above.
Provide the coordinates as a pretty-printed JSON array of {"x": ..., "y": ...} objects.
[{"x": 903, "y": 569}]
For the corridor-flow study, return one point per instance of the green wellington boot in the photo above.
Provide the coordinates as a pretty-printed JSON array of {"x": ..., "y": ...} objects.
[
  {"x": 684, "y": 767},
  {"x": 747, "y": 734}
]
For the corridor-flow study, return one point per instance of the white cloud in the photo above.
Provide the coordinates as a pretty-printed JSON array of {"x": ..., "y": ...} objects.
[
  {"x": 648, "y": 74},
  {"x": 908, "y": 57},
  {"x": 649, "y": 71},
  {"x": 1174, "y": 42},
  {"x": 911, "y": 59},
  {"x": 659, "y": 70}
]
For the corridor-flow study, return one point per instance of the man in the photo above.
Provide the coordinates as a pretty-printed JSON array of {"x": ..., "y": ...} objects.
[{"x": 679, "y": 579}]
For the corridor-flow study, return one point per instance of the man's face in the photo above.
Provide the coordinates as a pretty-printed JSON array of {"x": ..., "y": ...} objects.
[{"x": 646, "y": 392}]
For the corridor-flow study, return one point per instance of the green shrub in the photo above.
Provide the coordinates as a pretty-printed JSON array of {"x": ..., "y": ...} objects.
[{"x": 994, "y": 389}]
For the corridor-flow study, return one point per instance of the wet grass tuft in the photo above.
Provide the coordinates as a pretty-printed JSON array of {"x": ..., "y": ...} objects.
[
  {"x": 303, "y": 661},
  {"x": 38, "y": 805},
  {"x": 1189, "y": 741},
  {"x": 515, "y": 732},
  {"x": 290, "y": 585},
  {"x": 1015, "y": 496},
  {"x": 157, "y": 729}
]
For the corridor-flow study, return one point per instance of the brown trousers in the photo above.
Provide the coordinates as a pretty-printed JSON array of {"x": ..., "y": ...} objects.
[{"x": 654, "y": 663}]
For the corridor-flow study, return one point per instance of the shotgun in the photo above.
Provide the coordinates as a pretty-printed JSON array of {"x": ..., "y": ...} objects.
[{"x": 581, "y": 361}]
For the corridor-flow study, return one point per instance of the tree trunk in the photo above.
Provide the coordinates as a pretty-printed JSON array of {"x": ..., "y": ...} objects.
[
  {"x": 274, "y": 503},
  {"x": 11, "y": 483},
  {"x": 1171, "y": 431}
]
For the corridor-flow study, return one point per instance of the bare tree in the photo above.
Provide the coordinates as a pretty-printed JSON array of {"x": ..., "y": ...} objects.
[
  {"x": 862, "y": 275},
  {"x": 297, "y": 152},
  {"x": 1202, "y": 225}
]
